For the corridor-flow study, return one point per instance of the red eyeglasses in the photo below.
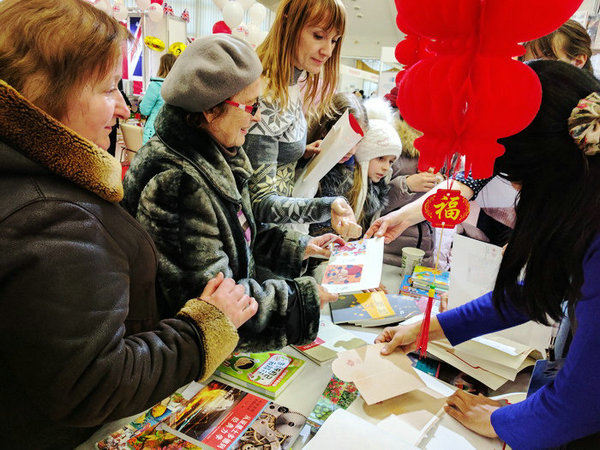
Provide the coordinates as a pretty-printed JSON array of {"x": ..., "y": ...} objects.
[{"x": 252, "y": 109}]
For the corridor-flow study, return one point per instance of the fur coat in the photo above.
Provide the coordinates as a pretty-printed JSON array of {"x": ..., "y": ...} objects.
[{"x": 187, "y": 192}]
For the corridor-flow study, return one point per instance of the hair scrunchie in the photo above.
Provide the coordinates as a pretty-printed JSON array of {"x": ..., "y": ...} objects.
[{"x": 584, "y": 124}]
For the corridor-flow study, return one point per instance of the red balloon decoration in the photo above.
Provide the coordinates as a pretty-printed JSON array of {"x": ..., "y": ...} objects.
[
  {"x": 461, "y": 86},
  {"x": 221, "y": 27}
]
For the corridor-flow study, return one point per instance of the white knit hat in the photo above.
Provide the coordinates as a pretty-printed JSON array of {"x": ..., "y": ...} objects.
[{"x": 380, "y": 140}]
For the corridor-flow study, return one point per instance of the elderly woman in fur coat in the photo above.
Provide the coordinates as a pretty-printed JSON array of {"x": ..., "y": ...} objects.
[{"x": 188, "y": 186}]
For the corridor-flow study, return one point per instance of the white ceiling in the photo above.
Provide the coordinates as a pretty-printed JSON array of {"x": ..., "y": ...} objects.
[{"x": 367, "y": 34}]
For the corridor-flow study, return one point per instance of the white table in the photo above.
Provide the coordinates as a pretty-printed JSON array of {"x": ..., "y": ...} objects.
[{"x": 303, "y": 393}]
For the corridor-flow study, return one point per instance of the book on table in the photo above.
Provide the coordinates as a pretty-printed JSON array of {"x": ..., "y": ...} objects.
[
  {"x": 267, "y": 373},
  {"x": 373, "y": 309},
  {"x": 423, "y": 277},
  {"x": 330, "y": 340},
  {"x": 218, "y": 416}
]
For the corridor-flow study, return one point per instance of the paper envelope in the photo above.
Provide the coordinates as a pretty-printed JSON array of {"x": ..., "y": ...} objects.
[{"x": 376, "y": 376}]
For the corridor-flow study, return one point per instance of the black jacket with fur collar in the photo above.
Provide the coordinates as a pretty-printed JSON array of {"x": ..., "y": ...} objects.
[
  {"x": 187, "y": 192},
  {"x": 81, "y": 339}
]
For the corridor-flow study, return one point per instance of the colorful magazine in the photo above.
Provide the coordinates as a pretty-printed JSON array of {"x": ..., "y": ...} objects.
[
  {"x": 265, "y": 373},
  {"x": 225, "y": 418},
  {"x": 337, "y": 394},
  {"x": 147, "y": 421}
]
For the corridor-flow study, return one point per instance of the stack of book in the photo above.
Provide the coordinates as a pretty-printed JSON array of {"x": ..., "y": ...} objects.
[
  {"x": 266, "y": 373},
  {"x": 493, "y": 360},
  {"x": 216, "y": 416},
  {"x": 418, "y": 283}
]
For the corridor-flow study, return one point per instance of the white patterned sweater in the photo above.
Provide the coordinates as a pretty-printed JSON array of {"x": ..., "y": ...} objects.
[{"x": 274, "y": 145}]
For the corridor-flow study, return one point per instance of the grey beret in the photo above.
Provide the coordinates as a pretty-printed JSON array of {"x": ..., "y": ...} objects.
[{"x": 210, "y": 70}]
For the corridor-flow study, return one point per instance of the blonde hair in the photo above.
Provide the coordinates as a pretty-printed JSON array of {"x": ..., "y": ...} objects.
[
  {"x": 166, "y": 63},
  {"x": 354, "y": 193},
  {"x": 278, "y": 50},
  {"x": 571, "y": 37},
  {"x": 50, "y": 49}
]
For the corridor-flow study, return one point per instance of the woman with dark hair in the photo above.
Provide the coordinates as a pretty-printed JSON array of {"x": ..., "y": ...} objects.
[{"x": 553, "y": 255}]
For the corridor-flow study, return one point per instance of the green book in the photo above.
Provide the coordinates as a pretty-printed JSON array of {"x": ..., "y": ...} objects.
[{"x": 266, "y": 373}]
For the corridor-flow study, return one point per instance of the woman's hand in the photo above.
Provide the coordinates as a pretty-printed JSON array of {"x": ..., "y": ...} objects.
[
  {"x": 473, "y": 411},
  {"x": 325, "y": 296},
  {"x": 343, "y": 221},
  {"x": 403, "y": 336},
  {"x": 422, "y": 181},
  {"x": 389, "y": 226},
  {"x": 230, "y": 298},
  {"x": 312, "y": 149},
  {"x": 319, "y": 247},
  {"x": 381, "y": 288}
]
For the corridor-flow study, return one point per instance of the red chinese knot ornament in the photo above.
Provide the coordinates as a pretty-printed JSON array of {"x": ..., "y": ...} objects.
[{"x": 446, "y": 208}]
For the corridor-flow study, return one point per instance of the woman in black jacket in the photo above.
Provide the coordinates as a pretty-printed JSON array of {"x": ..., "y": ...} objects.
[{"x": 82, "y": 339}]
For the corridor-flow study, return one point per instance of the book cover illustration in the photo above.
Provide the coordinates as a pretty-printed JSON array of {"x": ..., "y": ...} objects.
[
  {"x": 145, "y": 423},
  {"x": 373, "y": 308},
  {"x": 407, "y": 288},
  {"x": 338, "y": 394},
  {"x": 423, "y": 277},
  {"x": 330, "y": 340},
  {"x": 343, "y": 274},
  {"x": 355, "y": 266},
  {"x": 266, "y": 373},
  {"x": 224, "y": 417}
]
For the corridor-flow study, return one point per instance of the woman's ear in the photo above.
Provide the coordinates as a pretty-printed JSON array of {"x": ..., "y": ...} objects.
[
  {"x": 209, "y": 115},
  {"x": 580, "y": 60}
]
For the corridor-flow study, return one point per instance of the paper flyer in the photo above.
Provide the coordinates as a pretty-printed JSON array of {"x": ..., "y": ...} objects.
[{"x": 339, "y": 141}]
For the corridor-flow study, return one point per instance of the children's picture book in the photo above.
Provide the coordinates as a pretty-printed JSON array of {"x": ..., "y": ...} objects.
[
  {"x": 423, "y": 277},
  {"x": 407, "y": 288},
  {"x": 373, "y": 309},
  {"x": 338, "y": 394},
  {"x": 223, "y": 417},
  {"x": 266, "y": 373},
  {"x": 330, "y": 340},
  {"x": 354, "y": 267},
  {"x": 147, "y": 421}
]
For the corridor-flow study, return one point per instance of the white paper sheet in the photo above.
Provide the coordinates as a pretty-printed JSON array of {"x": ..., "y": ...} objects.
[{"x": 339, "y": 141}]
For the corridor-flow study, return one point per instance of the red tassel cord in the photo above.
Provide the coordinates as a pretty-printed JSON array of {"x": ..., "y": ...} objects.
[{"x": 423, "y": 336}]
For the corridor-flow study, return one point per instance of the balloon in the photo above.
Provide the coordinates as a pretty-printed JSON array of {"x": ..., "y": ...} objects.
[
  {"x": 221, "y": 27},
  {"x": 257, "y": 14},
  {"x": 233, "y": 14},
  {"x": 154, "y": 43},
  {"x": 158, "y": 2},
  {"x": 240, "y": 32},
  {"x": 177, "y": 48},
  {"x": 120, "y": 12},
  {"x": 246, "y": 4},
  {"x": 460, "y": 86},
  {"x": 220, "y": 3},
  {"x": 143, "y": 4},
  {"x": 155, "y": 12},
  {"x": 254, "y": 35}
]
